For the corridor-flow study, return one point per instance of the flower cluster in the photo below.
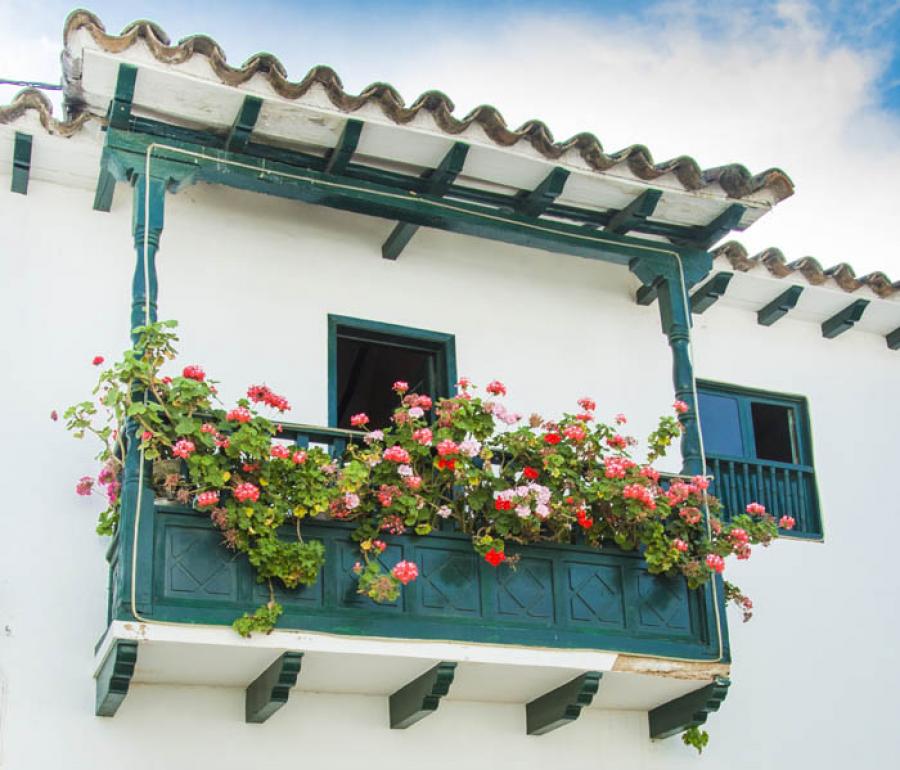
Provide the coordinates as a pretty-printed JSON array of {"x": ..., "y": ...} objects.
[{"x": 466, "y": 462}]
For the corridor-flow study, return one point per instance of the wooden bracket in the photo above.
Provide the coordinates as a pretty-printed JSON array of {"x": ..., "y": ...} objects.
[
  {"x": 421, "y": 696},
  {"x": 243, "y": 125},
  {"x": 705, "y": 236},
  {"x": 21, "y": 170},
  {"x": 780, "y": 306},
  {"x": 271, "y": 689},
  {"x": 536, "y": 202},
  {"x": 634, "y": 213},
  {"x": 893, "y": 339},
  {"x": 690, "y": 710},
  {"x": 114, "y": 677},
  {"x": 340, "y": 156},
  {"x": 708, "y": 294},
  {"x": 648, "y": 293},
  {"x": 563, "y": 705},
  {"x": 119, "y": 112},
  {"x": 844, "y": 321},
  {"x": 438, "y": 183}
]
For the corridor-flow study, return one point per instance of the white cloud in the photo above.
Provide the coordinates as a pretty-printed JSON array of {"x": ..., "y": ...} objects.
[{"x": 761, "y": 90}]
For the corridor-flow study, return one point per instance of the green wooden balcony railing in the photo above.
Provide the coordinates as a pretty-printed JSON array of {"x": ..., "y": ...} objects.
[
  {"x": 559, "y": 595},
  {"x": 785, "y": 489}
]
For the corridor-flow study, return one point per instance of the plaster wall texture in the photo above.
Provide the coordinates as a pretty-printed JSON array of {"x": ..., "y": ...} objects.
[{"x": 251, "y": 281}]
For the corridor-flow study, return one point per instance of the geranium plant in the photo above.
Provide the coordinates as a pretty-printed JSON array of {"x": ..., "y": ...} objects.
[{"x": 465, "y": 459}]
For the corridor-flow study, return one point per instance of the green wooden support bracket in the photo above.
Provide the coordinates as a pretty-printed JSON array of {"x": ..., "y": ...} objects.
[
  {"x": 421, "y": 696},
  {"x": 21, "y": 169},
  {"x": 780, "y": 306},
  {"x": 690, "y": 710},
  {"x": 563, "y": 705},
  {"x": 634, "y": 213},
  {"x": 844, "y": 321},
  {"x": 270, "y": 691},
  {"x": 708, "y": 294},
  {"x": 705, "y": 236},
  {"x": 648, "y": 293},
  {"x": 439, "y": 181},
  {"x": 536, "y": 202},
  {"x": 119, "y": 113},
  {"x": 893, "y": 339},
  {"x": 243, "y": 125},
  {"x": 340, "y": 156},
  {"x": 114, "y": 677},
  {"x": 106, "y": 186}
]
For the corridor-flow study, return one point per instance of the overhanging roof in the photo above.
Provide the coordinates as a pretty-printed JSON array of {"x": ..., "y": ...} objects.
[{"x": 191, "y": 84}]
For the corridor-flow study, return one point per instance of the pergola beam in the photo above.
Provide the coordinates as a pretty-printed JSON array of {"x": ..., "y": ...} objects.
[
  {"x": 421, "y": 697},
  {"x": 634, "y": 213},
  {"x": 706, "y": 235},
  {"x": 272, "y": 688},
  {"x": 21, "y": 167},
  {"x": 563, "y": 705},
  {"x": 119, "y": 112},
  {"x": 536, "y": 202},
  {"x": 710, "y": 292},
  {"x": 438, "y": 182},
  {"x": 690, "y": 710},
  {"x": 244, "y": 123},
  {"x": 893, "y": 339},
  {"x": 340, "y": 156}
]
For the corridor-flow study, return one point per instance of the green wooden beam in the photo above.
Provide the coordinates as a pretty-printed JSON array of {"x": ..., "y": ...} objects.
[
  {"x": 21, "y": 169},
  {"x": 648, "y": 293},
  {"x": 421, "y": 696},
  {"x": 353, "y": 194},
  {"x": 708, "y": 294},
  {"x": 243, "y": 125},
  {"x": 106, "y": 186},
  {"x": 439, "y": 181},
  {"x": 272, "y": 688},
  {"x": 563, "y": 705},
  {"x": 893, "y": 339},
  {"x": 844, "y": 321},
  {"x": 634, "y": 213},
  {"x": 340, "y": 156},
  {"x": 779, "y": 307},
  {"x": 690, "y": 710},
  {"x": 705, "y": 236},
  {"x": 534, "y": 203},
  {"x": 119, "y": 113},
  {"x": 114, "y": 677}
]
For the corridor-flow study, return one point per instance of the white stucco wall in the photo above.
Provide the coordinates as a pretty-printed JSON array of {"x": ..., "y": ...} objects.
[{"x": 251, "y": 280}]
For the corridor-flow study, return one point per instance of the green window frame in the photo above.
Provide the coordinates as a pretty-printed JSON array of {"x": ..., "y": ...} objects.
[
  {"x": 441, "y": 377},
  {"x": 758, "y": 448}
]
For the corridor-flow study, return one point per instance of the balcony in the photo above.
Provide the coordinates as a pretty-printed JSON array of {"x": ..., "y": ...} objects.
[{"x": 564, "y": 611}]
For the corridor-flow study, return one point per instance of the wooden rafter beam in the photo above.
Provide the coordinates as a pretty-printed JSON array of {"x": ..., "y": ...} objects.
[
  {"x": 563, "y": 705},
  {"x": 244, "y": 123},
  {"x": 690, "y": 710},
  {"x": 21, "y": 167},
  {"x": 705, "y": 236},
  {"x": 647, "y": 294},
  {"x": 114, "y": 677},
  {"x": 780, "y": 306},
  {"x": 536, "y": 202},
  {"x": 438, "y": 182},
  {"x": 343, "y": 151},
  {"x": 710, "y": 292},
  {"x": 421, "y": 696},
  {"x": 634, "y": 213},
  {"x": 119, "y": 112},
  {"x": 272, "y": 688},
  {"x": 893, "y": 339},
  {"x": 844, "y": 320}
]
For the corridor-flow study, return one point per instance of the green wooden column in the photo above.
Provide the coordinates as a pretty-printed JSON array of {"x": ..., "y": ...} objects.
[{"x": 135, "y": 494}]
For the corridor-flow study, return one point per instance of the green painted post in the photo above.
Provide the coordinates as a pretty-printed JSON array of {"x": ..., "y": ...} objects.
[{"x": 151, "y": 218}]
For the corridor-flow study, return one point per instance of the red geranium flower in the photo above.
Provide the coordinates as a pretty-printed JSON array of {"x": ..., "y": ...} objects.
[{"x": 494, "y": 557}]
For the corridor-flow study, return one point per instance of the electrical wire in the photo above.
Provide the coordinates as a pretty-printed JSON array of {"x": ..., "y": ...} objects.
[
  {"x": 594, "y": 237},
  {"x": 32, "y": 84}
]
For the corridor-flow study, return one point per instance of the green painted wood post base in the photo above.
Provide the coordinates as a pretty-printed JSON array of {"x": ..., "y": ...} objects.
[
  {"x": 563, "y": 705},
  {"x": 689, "y": 710},
  {"x": 421, "y": 696},
  {"x": 272, "y": 688},
  {"x": 114, "y": 677}
]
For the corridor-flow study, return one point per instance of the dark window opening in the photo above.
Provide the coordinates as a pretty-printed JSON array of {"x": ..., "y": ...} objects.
[
  {"x": 773, "y": 430},
  {"x": 369, "y": 357}
]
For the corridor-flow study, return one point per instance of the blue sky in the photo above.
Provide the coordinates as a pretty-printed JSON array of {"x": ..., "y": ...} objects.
[{"x": 811, "y": 87}]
